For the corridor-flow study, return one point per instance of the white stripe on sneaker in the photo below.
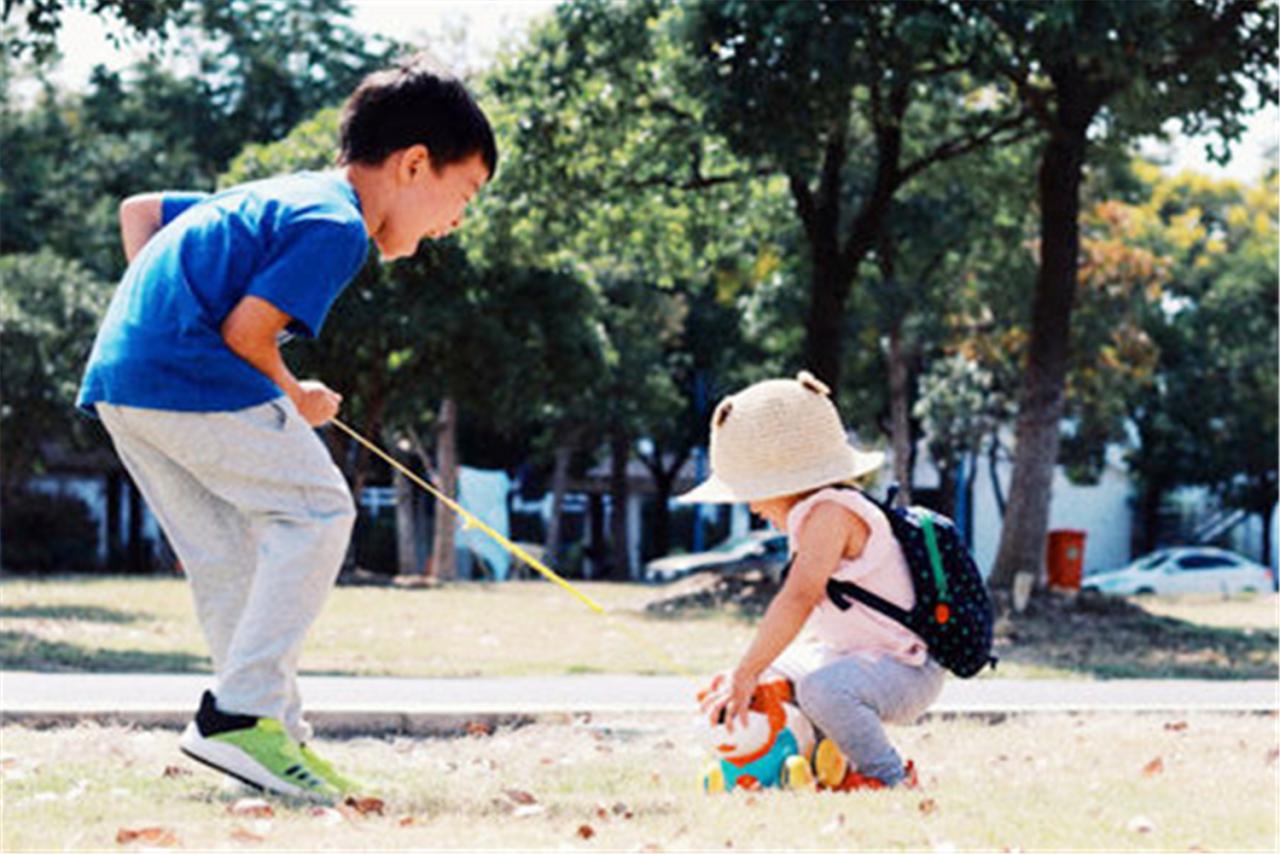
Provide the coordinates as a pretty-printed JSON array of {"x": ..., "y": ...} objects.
[{"x": 231, "y": 760}]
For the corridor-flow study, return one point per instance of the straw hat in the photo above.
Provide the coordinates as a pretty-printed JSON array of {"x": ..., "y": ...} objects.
[{"x": 778, "y": 437}]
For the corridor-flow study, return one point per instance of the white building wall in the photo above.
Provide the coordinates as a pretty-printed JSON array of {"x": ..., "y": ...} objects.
[{"x": 1103, "y": 511}]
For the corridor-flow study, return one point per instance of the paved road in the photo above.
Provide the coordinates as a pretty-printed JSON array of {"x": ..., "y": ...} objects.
[{"x": 425, "y": 705}]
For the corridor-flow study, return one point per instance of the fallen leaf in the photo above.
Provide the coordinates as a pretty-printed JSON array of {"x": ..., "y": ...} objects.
[
  {"x": 366, "y": 806},
  {"x": 158, "y": 836},
  {"x": 479, "y": 728},
  {"x": 255, "y": 807},
  {"x": 410, "y": 821},
  {"x": 928, "y": 806},
  {"x": 520, "y": 796},
  {"x": 176, "y": 771},
  {"x": 1273, "y": 755},
  {"x": 621, "y": 809},
  {"x": 241, "y": 834},
  {"x": 1140, "y": 824},
  {"x": 1176, "y": 726},
  {"x": 751, "y": 801},
  {"x": 834, "y": 825},
  {"x": 1154, "y": 767},
  {"x": 586, "y": 831},
  {"x": 328, "y": 815}
]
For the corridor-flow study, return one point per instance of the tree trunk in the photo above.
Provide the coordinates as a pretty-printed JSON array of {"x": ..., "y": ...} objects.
[
  {"x": 1148, "y": 517},
  {"x": 662, "y": 481},
  {"x": 620, "y": 454},
  {"x": 993, "y": 468},
  {"x": 1266, "y": 537},
  {"x": 444, "y": 565},
  {"x": 559, "y": 485},
  {"x": 947, "y": 491},
  {"x": 901, "y": 422},
  {"x": 1022, "y": 538},
  {"x": 406, "y": 526}
]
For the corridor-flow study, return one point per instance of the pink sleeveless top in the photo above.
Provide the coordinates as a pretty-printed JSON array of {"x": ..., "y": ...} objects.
[{"x": 881, "y": 568}]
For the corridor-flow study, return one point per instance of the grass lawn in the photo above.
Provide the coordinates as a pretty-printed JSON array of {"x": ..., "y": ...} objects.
[
  {"x": 1122, "y": 781},
  {"x": 526, "y": 628},
  {"x": 532, "y": 628}
]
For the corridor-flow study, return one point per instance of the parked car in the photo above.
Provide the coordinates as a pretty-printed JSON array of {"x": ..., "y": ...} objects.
[
  {"x": 756, "y": 547},
  {"x": 1183, "y": 569}
]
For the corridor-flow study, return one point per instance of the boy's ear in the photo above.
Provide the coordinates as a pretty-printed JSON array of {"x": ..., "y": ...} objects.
[{"x": 414, "y": 161}]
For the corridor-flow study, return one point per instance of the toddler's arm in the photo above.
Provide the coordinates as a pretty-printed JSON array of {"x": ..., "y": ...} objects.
[{"x": 830, "y": 533}]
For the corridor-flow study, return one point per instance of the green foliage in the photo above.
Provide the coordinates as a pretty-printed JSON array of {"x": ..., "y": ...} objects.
[
  {"x": 958, "y": 407},
  {"x": 43, "y": 20},
  {"x": 49, "y": 312}
]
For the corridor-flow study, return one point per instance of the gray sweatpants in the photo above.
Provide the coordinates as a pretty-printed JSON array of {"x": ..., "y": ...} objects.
[
  {"x": 260, "y": 517},
  {"x": 851, "y": 697}
]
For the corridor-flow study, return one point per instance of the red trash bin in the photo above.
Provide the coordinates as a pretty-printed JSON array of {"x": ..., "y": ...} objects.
[{"x": 1065, "y": 558}]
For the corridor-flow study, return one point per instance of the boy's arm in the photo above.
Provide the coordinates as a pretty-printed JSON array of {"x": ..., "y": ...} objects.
[
  {"x": 141, "y": 217},
  {"x": 252, "y": 332}
]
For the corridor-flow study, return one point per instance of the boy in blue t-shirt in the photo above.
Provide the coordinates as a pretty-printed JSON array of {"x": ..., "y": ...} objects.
[{"x": 187, "y": 377}]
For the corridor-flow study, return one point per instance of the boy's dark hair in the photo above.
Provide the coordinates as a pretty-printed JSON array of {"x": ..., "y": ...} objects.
[{"x": 415, "y": 103}]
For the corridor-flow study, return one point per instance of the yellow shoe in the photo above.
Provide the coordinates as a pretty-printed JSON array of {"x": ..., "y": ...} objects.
[
  {"x": 829, "y": 763},
  {"x": 713, "y": 778},
  {"x": 797, "y": 775}
]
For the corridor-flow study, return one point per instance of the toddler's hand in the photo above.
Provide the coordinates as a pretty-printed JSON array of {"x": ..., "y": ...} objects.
[
  {"x": 728, "y": 695},
  {"x": 316, "y": 402}
]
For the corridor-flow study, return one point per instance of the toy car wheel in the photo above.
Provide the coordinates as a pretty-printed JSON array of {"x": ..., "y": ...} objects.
[{"x": 797, "y": 774}]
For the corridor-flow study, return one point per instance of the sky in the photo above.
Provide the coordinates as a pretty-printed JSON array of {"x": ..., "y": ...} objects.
[{"x": 467, "y": 34}]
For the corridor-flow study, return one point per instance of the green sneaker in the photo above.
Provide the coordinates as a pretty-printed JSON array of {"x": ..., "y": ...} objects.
[
  {"x": 330, "y": 775},
  {"x": 254, "y": 750}
]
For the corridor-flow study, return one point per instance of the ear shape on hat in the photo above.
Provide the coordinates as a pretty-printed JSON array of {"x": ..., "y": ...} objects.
[
  {"x": 721, "y": 414},
  {"x": 813, "y": 384}
]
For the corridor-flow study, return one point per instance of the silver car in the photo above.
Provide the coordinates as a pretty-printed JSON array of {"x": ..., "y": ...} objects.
[
  {"x": 1183, "y": 569},
  {"x": 757, "y": 546}
]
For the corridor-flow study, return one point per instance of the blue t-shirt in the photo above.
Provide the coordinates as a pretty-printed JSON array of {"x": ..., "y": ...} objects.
[{"x": 294, "y": 241}]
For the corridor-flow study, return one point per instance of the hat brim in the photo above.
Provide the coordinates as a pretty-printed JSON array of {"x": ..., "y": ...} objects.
[{"x": 713, "y": 490}]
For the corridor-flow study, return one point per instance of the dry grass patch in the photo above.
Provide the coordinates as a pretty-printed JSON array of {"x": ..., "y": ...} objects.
[{"x": 1038, "y": 782}]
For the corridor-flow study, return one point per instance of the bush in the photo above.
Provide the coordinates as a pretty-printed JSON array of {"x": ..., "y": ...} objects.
[{"x": 42, "y": 532}]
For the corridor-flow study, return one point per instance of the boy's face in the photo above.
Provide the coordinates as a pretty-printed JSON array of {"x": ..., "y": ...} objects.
[{"x": 426, "y": 202}]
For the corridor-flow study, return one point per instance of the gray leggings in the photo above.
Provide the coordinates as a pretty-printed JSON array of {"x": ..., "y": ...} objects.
[{"x": 851, "y": 698}]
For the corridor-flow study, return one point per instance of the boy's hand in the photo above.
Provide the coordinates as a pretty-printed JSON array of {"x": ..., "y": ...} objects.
[{"x": 316, "y": 402}]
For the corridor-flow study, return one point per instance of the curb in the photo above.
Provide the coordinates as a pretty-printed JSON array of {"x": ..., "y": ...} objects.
[{"x": 452, "y": 722}]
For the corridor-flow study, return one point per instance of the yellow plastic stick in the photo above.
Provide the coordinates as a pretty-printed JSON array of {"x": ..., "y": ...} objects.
[{"x": 515, "y": 550}]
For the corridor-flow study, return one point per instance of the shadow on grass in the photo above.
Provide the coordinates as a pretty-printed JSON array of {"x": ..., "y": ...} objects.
[
  {"x": 1111, "y": 638},
  {"x": 25, "y": 651},
  {"x": 1103, "y": 637},
  {"x": 85, "y": 613}
]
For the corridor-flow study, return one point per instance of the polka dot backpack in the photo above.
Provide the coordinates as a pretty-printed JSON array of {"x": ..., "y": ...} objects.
[{"x": 953, "y": 613}]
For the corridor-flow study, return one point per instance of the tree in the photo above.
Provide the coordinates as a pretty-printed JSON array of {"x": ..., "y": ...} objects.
[
  {"x": 43, "y": 20},
  {"x": 49, "y": 311},
  {"x": 1130, "y": 66},
  {"x": 1209, "y": 416},
  {"x": 858, "y": 100}
]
